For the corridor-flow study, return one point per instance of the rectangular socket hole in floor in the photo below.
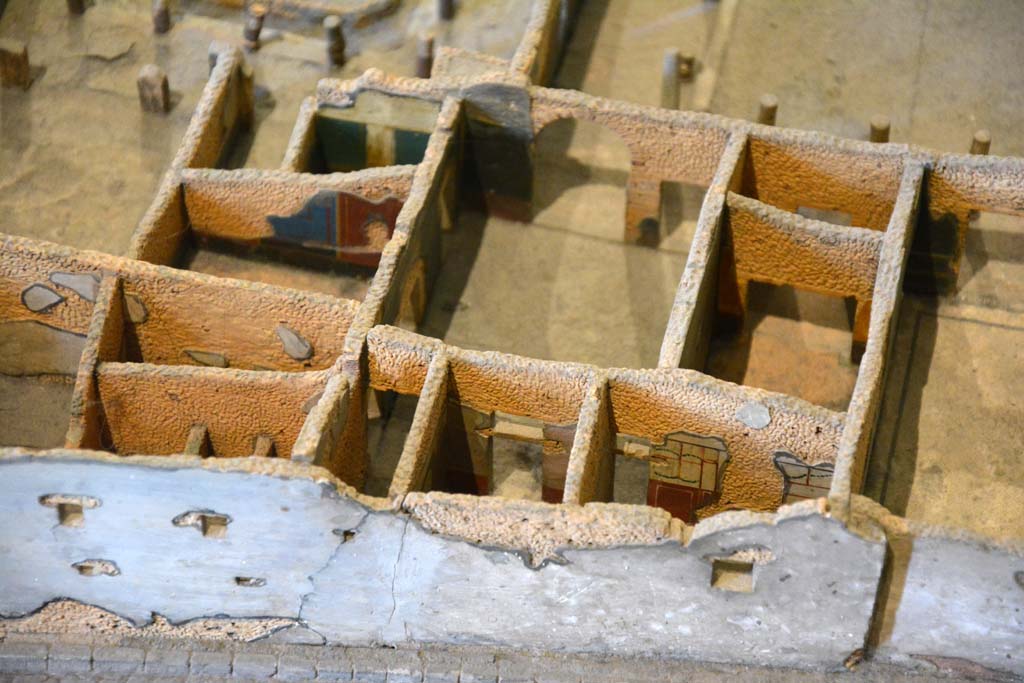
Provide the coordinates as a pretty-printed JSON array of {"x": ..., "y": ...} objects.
[
  {"x": 70, "y": 514},
  {"x": 214, "y": 526},
  {"x": 731, "y": 575},
  {"x": 250, "y": 581},
  {"x": 96, "y": 568}
]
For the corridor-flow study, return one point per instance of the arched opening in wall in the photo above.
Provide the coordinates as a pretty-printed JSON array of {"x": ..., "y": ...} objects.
[{"x": 579, "y": 178}]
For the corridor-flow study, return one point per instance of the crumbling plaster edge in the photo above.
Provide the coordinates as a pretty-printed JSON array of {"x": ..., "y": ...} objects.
[
  {"x": 155, "y": 617},
  {"x": 865, "y": 523}
]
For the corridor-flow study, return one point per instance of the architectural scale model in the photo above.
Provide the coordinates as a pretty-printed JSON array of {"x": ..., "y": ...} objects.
[{"x": 219, "y": 455}]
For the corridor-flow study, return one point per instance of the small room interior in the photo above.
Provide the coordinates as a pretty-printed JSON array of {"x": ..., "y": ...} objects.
[
  {"x": 792, "y": 341},
  {"x": 515, "y": 456},
  {"x": 194, "y": 402},
  {"x": 38, "y": 365},
  {"x": 208, "y": 412},
  {"x": 786, "y": 335},
  {"x": 378, "y": 131},
  {"x": 530, "y": 287},
  {"x": 135, "y": 361},
  {"x": 292, "y": 269},
  {"x": 492, "y": 452}
]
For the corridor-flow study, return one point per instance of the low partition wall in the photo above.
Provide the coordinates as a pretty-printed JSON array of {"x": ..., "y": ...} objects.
[
  {"x": 545, "y": 38},
  {"x": 866, "y": 401},
  {"x": 954, "y": 186},
  {"x": 691, "y": 321},
  {"x": 782, "y": 248},
  {"x": 104, "y": 343},
  {"x": 816, "y": 171},
  {"x": 153, "y": 409}
]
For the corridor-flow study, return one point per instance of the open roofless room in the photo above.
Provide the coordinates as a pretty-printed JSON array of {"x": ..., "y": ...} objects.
[{"x": 473, "y": 340}]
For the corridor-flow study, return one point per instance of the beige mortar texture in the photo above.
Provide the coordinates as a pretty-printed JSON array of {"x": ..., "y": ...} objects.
[
  {"x": 548, "y": 391},
  {"x": 783, "y": 248},
  {"x": 865, "y": 402},
  {"x": 653, "y": 139},
  {"x": 68, "y": 617},
  {"x": 159, "y": 233},
  {"x": 150, "y": 409},
  {"x": 303, "y": 138},
  {"x": 104, "y": 342},
  {"x": 539, "y": 529},
  {"x": 421, "y": 442}
]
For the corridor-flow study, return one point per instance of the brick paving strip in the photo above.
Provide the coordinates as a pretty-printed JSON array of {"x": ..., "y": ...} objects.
[{"x": 50, "y": 658}]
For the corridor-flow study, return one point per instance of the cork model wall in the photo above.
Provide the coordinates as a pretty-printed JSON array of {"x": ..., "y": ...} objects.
[{"x": 213, "y": 434}]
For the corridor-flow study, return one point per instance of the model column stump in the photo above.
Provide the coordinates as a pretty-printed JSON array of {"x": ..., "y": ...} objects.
[
  {"x": 14, "y": 69},
  {"x": 879, "y": 128},
  {"x": 254, "y": 17},
  {"x": 981, "y": 142},
  {"x": 335, "y": 41},
  {"x": 767, "y": 108},
  {"x": 424, "y": 56},
  {"x": 154, "y": 90}
]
